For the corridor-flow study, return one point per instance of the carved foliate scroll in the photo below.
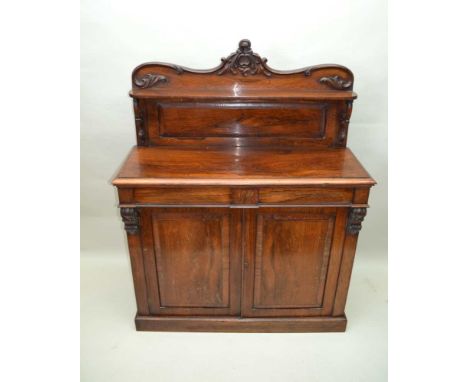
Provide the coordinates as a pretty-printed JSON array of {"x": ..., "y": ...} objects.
[
  {"x": 355, "y": 218},
  {"x": 149, "y": 80},
  {"x": 336, "y": 82},
  {"x": 131, "y": 219}
]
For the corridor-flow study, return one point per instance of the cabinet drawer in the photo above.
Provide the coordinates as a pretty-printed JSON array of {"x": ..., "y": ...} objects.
[
  {"x": 304, "y": 195},
  {"x": 227, "y": 195},
  {"x": 201, "y": 195}
]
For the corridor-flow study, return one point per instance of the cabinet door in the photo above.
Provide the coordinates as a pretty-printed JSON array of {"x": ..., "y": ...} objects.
[
  {"x": 291, "y": 261},
  {"x": 192, "y": 260}
]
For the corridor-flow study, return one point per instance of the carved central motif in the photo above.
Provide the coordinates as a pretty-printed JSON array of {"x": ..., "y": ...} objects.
[{"x": 244, "y": 61}]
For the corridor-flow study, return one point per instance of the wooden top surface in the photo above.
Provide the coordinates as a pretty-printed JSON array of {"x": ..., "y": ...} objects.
[{"x": 147, "y": 166}]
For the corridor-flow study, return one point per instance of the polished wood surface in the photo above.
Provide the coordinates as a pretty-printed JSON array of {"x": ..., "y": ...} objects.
[
  {"x": 241, "y": 202},
  {"x": 241, "y": 166}
]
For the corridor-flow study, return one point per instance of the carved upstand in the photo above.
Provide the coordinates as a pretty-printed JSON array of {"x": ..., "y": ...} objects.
[{"x": 241, "y": 202}]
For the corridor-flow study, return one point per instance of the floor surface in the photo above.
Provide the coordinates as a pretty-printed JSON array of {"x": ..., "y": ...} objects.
[{"x": 111, "y": 349}]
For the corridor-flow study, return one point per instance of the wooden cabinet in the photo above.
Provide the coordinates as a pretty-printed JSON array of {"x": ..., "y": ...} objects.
[{"x": 241, "y": 202}]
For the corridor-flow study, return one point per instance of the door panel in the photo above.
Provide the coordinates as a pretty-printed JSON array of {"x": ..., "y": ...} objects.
[
  {"x": 291, "y": 260},
  {"x": 193, "y": 260}
]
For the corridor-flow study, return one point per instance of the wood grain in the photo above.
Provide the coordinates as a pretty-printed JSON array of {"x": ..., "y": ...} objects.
[
  {"x": 171, "y": 195},
  {"x": 235, "y": 119},
  {"x": 147, "y": 166}
]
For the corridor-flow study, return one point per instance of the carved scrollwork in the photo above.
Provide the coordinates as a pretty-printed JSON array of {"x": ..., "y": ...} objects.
[
  {"x": 355, "y": 218},
  {"x": 131, "y": 219},
  {"x": 344, "y": 118},
  {"x": 336, "y": 82},
  {"x": 244, "y": 61},
  {"x": 149, "y": 80},
  {"x": 139, "y": 123}
]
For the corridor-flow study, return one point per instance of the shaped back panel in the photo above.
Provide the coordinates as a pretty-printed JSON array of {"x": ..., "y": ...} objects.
[{"x": 242, "y": 102}]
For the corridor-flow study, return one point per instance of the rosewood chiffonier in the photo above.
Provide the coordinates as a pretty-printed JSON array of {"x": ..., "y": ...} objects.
[{"x": 241, "y": 202}]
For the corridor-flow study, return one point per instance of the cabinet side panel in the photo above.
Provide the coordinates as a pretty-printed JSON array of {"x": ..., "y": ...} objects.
[
  {"x": 131, "y": 220},
  {"x": 349, "y": 251},
  {"x": 353, "y": 226}
]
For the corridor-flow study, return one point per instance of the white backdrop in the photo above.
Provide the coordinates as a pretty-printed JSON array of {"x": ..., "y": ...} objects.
[{"x": 116, "y": 36}]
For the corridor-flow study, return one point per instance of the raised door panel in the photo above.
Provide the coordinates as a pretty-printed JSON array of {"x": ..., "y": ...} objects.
[
  {"x": 291, "y": 261},
  {"x": 192, "y": 260}
]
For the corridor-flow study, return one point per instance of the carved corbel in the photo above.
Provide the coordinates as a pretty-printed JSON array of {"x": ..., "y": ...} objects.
[
  {"x": 355, "y": 218},
  {"x": 131, "y": 219},
  {"x": 139, "y": 123},
  {"x": 343, "y": 119}
]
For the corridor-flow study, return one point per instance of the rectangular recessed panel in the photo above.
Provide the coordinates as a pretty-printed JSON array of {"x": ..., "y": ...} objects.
[
  {"x": 192, "y": 259},
  {"x": 236, "y": 119},
  {"x": 291, "y": 260}
]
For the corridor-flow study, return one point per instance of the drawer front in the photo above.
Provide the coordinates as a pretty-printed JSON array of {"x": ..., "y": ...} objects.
[
  {"x": 305, "y": 195},
  {"x": 238, "y": 196},
  {"x": 199, "y": 195}
]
